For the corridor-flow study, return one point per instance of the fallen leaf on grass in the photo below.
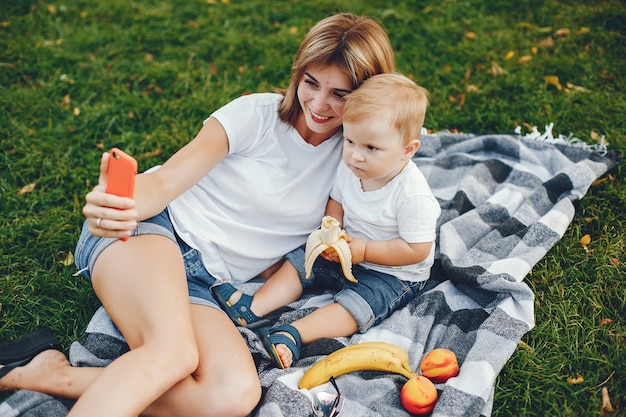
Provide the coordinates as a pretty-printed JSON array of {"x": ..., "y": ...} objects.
[
  {"x": 604, "y": 322},
  {"x": 525, "y": 345},
  {"x": 585, "y": 240},
  {"x": 27, "y": 188},
  {"x": 553, "y": 80},
  {"x": 69, "y": 259},
  {"x": 471, "y": 35},
  {"x": 615, "y": 262},
  {"x": 578, "y": 379},
  {"x": 561, "y": 32},
  {"x": 524, "y": 59},
  {"x": 54, "y": 42},
  {"x": 571, "y": 88},
  {"x": 509, "y": 55},
  {"x": 595, "y": 135},
  {"x": 496, "y": 69},
  {"x": 607, "y": 408},
  {"x": 546, "y": 43},
  {"x": 459, "y": 99}
]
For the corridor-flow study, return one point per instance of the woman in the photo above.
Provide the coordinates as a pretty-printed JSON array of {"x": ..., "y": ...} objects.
[{"x": 245, "y": 191}]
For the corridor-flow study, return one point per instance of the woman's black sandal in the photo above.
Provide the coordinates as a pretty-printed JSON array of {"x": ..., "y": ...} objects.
[{"x": 22, "y": 350}]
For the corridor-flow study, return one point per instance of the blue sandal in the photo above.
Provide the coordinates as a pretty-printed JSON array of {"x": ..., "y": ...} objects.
[
  {"x": 240, "y": 312},
  {"x": 272, "y": 337}
]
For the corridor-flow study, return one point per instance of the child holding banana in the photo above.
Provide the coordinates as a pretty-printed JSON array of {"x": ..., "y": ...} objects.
[{"x": 389, "y": 215}]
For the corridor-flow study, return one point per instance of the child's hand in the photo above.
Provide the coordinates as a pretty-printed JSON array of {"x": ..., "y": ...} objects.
[
  {"x": 330, "y": 254},
  {"x": 357, "y": 248}
]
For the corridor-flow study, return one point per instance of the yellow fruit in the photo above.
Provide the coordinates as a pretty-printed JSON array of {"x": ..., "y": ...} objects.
[
  {"x": 329, "y": 237},
  {"x": 370, "y": 356}
]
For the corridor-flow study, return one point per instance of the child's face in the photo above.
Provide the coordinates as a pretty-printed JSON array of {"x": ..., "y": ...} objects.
[
  {"x": 375, "y": 151},
  {"x": 320, "y": 93}
]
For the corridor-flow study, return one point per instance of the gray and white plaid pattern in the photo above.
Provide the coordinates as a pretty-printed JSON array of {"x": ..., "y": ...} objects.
[{"x": 506, "y": 200}]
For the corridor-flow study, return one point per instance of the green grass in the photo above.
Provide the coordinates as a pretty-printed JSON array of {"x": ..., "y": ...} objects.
[{"x": 78, "y": 77}]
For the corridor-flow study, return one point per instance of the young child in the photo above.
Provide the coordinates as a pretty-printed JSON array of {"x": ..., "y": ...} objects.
[{"x": 388, "y": 212}]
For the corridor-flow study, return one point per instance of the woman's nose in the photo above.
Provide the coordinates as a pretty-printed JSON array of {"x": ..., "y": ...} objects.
[{"x": 320, "y": 102}]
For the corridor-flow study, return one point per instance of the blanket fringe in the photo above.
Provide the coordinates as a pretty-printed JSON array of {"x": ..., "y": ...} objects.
[{"x": 601, "y": 147}]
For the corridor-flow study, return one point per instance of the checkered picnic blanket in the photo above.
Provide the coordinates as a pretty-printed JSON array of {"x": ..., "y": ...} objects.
[{"x": 506, "y": 200}]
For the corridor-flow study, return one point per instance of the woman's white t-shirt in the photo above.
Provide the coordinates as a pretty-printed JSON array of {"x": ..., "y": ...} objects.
[{"x": 263, "y": 199}]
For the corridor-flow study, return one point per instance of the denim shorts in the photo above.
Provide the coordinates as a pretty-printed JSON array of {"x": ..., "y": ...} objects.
[
  {"x": 374, "y": 298},
  {"x": 199, "y": 280}
]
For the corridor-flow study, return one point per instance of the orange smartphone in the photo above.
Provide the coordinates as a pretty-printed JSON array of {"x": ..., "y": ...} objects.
[{"x": 121, "y": 173}]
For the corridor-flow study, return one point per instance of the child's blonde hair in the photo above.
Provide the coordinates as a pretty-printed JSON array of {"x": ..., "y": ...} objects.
[{"x": 392, "y": 96}]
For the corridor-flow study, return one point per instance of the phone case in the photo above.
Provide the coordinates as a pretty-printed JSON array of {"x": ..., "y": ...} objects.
[{"x": 121, "y": 172}]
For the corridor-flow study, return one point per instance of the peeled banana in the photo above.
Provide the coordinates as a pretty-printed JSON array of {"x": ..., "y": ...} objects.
[
  {"x": 368, "y": 356},
  {"x": 329, "y": 236}
]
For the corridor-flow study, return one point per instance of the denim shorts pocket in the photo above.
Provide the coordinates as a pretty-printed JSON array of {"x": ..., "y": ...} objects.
[{"x": 193, "y": 261}]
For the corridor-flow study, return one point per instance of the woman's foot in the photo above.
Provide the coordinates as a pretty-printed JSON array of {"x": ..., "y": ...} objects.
[{"x": 34, "y": 374}]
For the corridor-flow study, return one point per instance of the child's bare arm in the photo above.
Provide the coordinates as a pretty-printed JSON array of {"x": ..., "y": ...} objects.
[
  {"x": 394, "y": 252},
  {"x": 335, "y": 210}
]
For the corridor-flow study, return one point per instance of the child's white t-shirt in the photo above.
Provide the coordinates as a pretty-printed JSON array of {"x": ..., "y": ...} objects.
[
  {"x": 405, "y": 208},
  {"x": 264, "y": 199}
]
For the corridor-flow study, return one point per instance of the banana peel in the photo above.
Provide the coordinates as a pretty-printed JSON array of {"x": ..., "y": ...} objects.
[{"x": 329, "y": 237}]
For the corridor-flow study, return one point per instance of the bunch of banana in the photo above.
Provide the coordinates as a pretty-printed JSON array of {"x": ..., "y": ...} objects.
[
  {"x": 329, "y": 236},
  {"x": 368, "y": 356}
]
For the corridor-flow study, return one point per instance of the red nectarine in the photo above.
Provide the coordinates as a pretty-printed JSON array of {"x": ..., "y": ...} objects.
[
  {"x": 439, "y": 365},
  {"x": 418, "y": 395}
]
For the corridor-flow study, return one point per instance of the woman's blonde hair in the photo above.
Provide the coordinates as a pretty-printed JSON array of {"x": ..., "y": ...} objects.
[
  {"x": 393, "y": 97},
  {"x": 357, "y": 45}
]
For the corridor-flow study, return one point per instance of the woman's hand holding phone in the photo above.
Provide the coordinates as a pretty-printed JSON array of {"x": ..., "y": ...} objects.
[{"x": 110, "y": 206}]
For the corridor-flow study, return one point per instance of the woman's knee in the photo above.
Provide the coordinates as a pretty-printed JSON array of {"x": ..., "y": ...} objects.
[
  {"x": 177, "y": 359},
  {"x": 237, "y": 400}
]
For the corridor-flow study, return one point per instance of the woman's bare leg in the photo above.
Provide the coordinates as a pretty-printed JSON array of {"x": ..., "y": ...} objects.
[
  {"x": 142, "y": 285},
  {"x": 225, "y": 384},
  {"x": 50, "y": 373}
]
